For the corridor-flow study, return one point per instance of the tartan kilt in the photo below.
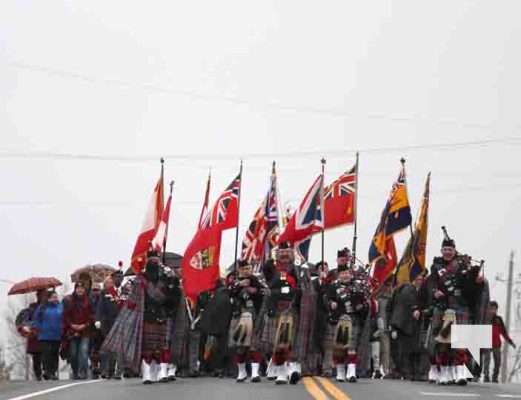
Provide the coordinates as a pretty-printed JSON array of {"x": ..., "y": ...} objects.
[
  {"x": 328, "y": 336},
  {"x": 169, "y": 329},
  {"x": 154, "y": 336},
  {"x": 357, "y": 325},
  {"x": 462, "y": 318},
  {"x": 265, "y": 339},
  {"x": 462, "y": 315}
]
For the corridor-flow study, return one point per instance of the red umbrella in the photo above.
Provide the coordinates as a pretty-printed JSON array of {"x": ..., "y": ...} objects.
[{"x": 34, "y": 284}]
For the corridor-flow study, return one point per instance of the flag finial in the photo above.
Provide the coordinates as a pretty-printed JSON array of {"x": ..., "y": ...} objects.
[
  {"x": 402, "y": 160},
  {"x": 162, "y": 160},
  {"x": 323, "y": 161}
]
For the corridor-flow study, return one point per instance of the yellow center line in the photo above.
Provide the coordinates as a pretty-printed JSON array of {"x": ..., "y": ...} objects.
[
  {"x": 313, "y": 389},
  {"x": 333, "y": 390}
]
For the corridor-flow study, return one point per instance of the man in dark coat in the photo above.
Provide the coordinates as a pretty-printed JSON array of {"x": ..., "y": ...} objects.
[
  {"x": 106, "y": 313},
  {"x": 214, "y": 324},
  {"x": 322, "y": 286},
  {"x": 405, "y": 308}
]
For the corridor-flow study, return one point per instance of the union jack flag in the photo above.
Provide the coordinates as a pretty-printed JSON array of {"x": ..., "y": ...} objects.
[
  {"x": 263, "y": 231},
  {"x": 339, "y": 200},
  {"x": 307, "y": 219},
  {"x": 224, "y": 213}
]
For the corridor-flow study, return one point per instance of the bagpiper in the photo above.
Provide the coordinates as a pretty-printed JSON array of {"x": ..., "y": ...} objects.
[
  {"x": 247, "y": 293},
  {"x": 140, "y": 333},
  {"x": 280, "y": 321},
  {"x": 348, "y": 307},
  {"x": 453, "y": 283}
]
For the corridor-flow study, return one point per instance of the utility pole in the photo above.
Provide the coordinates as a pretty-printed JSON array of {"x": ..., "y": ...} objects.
[{"x": 510, "y": 283}]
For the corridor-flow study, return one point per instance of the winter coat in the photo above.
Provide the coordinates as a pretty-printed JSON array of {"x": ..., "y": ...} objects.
[
  {"x": 107, "y": 310},
  {"x": 78, "y": 311},
  {"x": 48, "y": 321}
]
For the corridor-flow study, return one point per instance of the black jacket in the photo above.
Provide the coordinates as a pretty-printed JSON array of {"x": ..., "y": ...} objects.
[{"x": 107, "y": 311}]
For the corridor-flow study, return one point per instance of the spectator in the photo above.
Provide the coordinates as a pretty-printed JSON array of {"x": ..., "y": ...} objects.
[
  {"x": 106, "y": 313},
  {"x": 33, "y": 345},
  {"x": 498, "y": 330},
  {"x": 48, "y": 323},
  {"x": 78, "y": 317}
]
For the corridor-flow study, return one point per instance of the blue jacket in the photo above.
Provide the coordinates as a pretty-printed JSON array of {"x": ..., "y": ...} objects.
[{"x": 48, "y": 321}]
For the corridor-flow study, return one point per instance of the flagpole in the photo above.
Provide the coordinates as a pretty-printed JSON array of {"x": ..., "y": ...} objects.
[
  {"x": 355, "y": 231},
  {"x": 238, "y": 218},
  {"x": 323, "y": 162},
  {"x": 167, "y": 224},
  {"x": 402, "y": 161},
  {"x": 411, "y": 231}
]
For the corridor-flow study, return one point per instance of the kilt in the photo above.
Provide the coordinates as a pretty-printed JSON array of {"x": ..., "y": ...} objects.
[
  {"x": 169, "y": 329},
  {"x": 265, "y": 339},
  {"x": 329, "y": 335},
  {"x": 154, "y": 336},
  {"x": 357, "y": 324},
  {"x": 462, "y": 316}
]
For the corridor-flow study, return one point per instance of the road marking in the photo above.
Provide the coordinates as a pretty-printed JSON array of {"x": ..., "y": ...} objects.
[
  {"x": 509, "y": 396},
  {"x": 447, "y": 394},
  {"x": 336, "y": 392},
  {"x": 313, "y": 389},
  {"x": 54, "y": 389}
]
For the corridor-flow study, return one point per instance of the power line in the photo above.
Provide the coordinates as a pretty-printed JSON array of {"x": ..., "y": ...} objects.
[
  {"x": 270, "y": 104},
  {"x": 447, "y": 146},
  {"x": 371, "y": 196}
]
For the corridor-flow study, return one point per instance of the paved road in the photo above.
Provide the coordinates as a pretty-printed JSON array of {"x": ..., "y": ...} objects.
[{"x": 227, "y": 389}]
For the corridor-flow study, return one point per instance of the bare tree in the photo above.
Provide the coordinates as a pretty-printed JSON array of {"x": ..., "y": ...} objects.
[
  {"x": 14, "y": 350},
  {"x": 5, "y": 366},
  {"x": 515, "y": 370}
]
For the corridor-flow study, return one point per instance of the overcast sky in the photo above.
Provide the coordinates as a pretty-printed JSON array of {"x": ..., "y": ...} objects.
[{"x": 204, "y": 83}]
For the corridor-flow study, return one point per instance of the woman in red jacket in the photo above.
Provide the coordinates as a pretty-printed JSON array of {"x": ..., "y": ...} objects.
[{"x": 78, "y": 318}]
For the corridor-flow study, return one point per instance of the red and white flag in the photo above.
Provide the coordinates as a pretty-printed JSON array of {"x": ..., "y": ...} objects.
[
  {"x": 150, "y": 225},
  {"x": 159, "y": 241}
]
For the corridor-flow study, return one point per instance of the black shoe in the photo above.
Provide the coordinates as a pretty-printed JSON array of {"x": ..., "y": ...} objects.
[
  {"x": 486, "y": 380},
  {"x": 494, "y": 380},
  {"x": 257, "y": 379},
  {"x": 352, "y": 379},
  {"x": 46, "y": 377},
  {"x": 377, "y": 375},
  {"x": 294, "y": 378}
]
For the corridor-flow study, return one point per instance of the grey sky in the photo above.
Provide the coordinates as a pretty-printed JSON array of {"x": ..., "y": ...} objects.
[{"x": 125, "y": 79}]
